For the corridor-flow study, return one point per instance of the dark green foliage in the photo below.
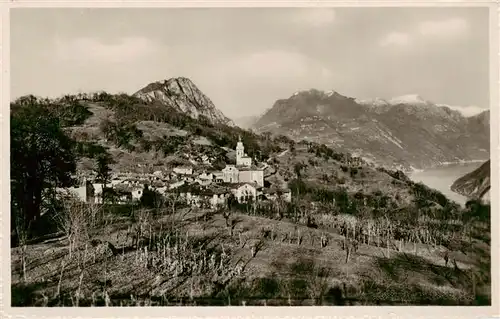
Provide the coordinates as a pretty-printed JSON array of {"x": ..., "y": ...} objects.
[
  {"x": 478, "y": 210},
  {"x": 282, "y": 139},
  {"x": 120, "y": 134},
  {"x": 151, "y": 198},
  {"x": 218, "y": 164},
  {"x": 424, "y": 194},
  {"x": 42, "y": 157},
  {"x": 89, "y": 149},
  {"x": 68, "y": 109},
  {"x": 110, "y": 195},
  {"x": 169, "y": 144},
  {"x": 323, "y": 151},
  {"x": 266, "y": 288},
  {"x": 72, "y": 114},
  {"x": 231, "y": 201},
  {"x": 103, "y": 170},
  {"x": 298, "y": 169}
]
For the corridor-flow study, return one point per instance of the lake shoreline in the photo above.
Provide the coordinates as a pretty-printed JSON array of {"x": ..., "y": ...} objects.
[
  {"x": 443, "y": 176},
  {"x": 444, "y": 164}
]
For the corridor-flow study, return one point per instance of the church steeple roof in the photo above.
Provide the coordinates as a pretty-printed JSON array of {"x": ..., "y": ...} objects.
[{"x": 239, "y": 145}]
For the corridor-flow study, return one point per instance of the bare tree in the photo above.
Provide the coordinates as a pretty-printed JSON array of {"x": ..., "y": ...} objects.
[
  {"x": 74, "y": 222},
  {"x": 22, "y": 236}
]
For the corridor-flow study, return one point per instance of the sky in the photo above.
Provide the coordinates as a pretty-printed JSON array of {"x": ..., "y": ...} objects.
[{"x": 244, "y": 59}]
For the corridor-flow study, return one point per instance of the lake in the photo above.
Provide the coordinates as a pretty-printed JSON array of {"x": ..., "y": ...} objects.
[{"x": 441, "y": 178}]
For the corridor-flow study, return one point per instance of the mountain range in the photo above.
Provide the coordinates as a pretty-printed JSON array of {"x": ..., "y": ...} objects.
[{"x": 407, "y": 132}]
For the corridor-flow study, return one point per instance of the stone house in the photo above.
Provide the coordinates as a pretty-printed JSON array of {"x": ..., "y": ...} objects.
[
  {"x": 218, "y": 177},
  {"x": 85, "y": 192},
  {"x": 245, "y": 191},
  {"x": 206, "y": 176},
  {"x": 184, "y": 170},
  {"x": 251, "y": 174},
  {"x": 230, "y": 174},
  {"x": 203, "y": 182}
]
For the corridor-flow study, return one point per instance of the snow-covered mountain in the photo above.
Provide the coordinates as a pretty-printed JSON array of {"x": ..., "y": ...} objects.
[{"x": 413, "y": 99}]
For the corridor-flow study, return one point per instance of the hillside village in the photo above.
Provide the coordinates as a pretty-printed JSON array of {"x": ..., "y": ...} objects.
[
  {"x": 306, "y": 248},
  {"x": 244, "y": 180}
]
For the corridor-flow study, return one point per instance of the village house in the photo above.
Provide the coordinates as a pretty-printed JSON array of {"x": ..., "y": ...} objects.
[
  {"x": 245, "y": 191},
  {"x": 176, "y": 184},
  {"x": 116, "y": 181},
  {"x": 274, "y": 194},
  {"x": 218, "y": 177},
  {"x": 121, "y": 194},
  {"x": 206, "y": 176},
  {"x": 183, "y": 170},
  {"x": 203, "y": 182},
  {"x": 218, "y": 198},
  {"x": 137, "y": 193},
  {"x": 230, "y": 174},
  {"x": 251, "y": 174},
  {"x": 85, "y": 192},
  {"x": 98, "y": 187},
  {"x": 187, "y": 178},
  {"x": 124, "y": 197}
]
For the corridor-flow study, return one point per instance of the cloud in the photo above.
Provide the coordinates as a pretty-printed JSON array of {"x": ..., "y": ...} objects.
[
  {"x": 444, "y": 28},
  {"x": 275, "y": 64},
  {"x": 447, "y": 29},
  {"x": 395, "y": 39},
  {"x": 316, "y": 17},
  {"x": 94, "y": 50}
]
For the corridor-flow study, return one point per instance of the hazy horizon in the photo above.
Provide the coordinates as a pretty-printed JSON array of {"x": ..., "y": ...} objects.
[{"x": 244, "y": 59}]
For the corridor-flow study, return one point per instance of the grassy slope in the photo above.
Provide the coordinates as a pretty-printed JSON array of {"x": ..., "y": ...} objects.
[
  {"x": 293, "y": 273},
  {"x": 192, "y": 143}
]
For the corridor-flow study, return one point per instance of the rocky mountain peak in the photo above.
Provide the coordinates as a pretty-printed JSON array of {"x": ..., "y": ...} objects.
[{"x": 183, "y": 95}]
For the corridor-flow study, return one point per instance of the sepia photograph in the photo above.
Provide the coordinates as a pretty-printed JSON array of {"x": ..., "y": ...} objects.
[{"x": 250, "y": 156}]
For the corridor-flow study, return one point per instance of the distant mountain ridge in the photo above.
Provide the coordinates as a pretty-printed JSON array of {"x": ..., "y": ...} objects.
[
  {"x": 405, "y": 132},
  {"x": 183, "y": 95},
  {"x": 246, "y": 122}
]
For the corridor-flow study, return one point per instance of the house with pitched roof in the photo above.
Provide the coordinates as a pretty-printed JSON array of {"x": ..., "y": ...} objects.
[{"x": 244, "y": 192}]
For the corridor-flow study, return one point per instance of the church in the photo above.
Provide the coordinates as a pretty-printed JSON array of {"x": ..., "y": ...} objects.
[{"x": 244, "y": 171}]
